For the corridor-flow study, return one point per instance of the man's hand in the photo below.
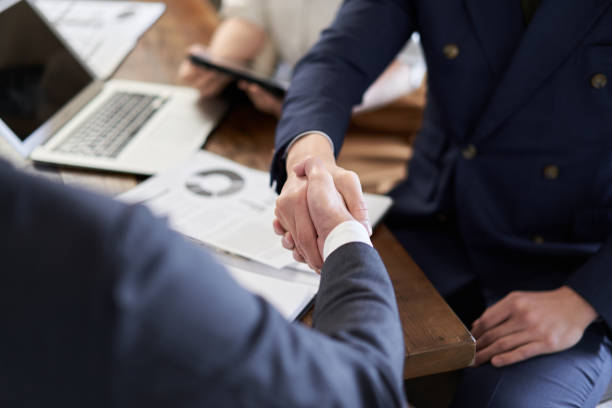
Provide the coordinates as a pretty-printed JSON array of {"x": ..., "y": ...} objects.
[
  {"x": 262, "y": 100},
  {"x": 210, "y": 83},
  {"x": 293, "y": 220},
  {"x": 292, "y": 214},
  {"x": 235, "y": 39},
  {"x": 526, "y": 324},
  {"x": 325, "y": 205}
]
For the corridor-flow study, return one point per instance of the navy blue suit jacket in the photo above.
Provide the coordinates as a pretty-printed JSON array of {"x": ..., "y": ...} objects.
[
  {"x": 102, "y": 305},
  {"x": 516, "y": 144}
]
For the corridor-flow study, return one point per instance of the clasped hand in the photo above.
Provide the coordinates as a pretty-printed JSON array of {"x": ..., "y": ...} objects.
[{"x": 316, "y": 197}]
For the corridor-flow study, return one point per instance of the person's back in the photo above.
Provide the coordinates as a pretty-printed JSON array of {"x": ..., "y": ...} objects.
[{"x": 103, "y": 306}]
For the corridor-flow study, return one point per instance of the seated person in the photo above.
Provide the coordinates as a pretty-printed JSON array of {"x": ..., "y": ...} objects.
[
  {"x": 507, "y": 206},
  {"x": 264, "y": 32},
  {"x": 102, "y": 306}
]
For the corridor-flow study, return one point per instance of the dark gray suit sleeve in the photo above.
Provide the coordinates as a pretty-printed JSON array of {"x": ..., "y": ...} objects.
[
  {"x": 190, "y": 336},
  {"x": 364, "y": 38},
  {"x": 99, "y": 299}
]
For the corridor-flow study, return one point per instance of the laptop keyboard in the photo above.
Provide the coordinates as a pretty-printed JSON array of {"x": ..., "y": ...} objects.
[{"x": 106, "y": 131}]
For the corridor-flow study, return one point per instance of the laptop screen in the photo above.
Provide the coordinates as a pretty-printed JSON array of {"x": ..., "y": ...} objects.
[{"x": 38, "y": 75}]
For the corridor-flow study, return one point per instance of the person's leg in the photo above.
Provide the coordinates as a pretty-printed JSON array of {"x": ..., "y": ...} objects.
[{"x": 576, "y": 377}]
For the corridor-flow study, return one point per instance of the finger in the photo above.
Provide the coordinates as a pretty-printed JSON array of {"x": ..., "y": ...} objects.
[
  {"x": 491, "y": 317},
  {"x": 300, "y": 168},
  {"x": 257, "y": 94},
  {"x": 519, "y": 354},
  {"x": 211, "y": 83},
  {"x": 251, "y": 90},
  {"x": 283, "y": 211},
  {"x": 187, "y": 72},
  {"x": 248, "y": 87},
  {"x": 255, "y": 98},
  {"x": 204, "y": 82},
  {"x": 508, "y": 327},
  {"x": 212, "y": 86},
  {"x": 298, "y": 257},
  {"x": 288, "y": 242},
  {"x": 293, "y": 196},
  {"x": 314, "y": 170},
  {"x": 503, "y": 345},
  {"x": 290, "y": 239},
  {"x": 196, "y": 49},
  {"x": 258, "y": 101},
  {"x": 256, "y": 89},
  {"x": 278, "y": 227},
  {"x": 243, "y": 85},
  {"x": 305, "y": 237},
  {"x": 350, "y": 188},
  {"x": 263, "y": 100}
]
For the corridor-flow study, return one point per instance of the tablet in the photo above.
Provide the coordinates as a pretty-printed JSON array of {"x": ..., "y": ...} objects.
[{"x": 272, "y": 85}]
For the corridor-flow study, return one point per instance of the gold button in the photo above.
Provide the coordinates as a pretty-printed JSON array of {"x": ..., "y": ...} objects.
[
  {"x": 551, "y": 172},
  {"x": 538, "y": 239},
  {"x": 442, "y": 217},
  {"x": 451, "y": 51},
  {"x": 599, "y": 81},
  {"x": 469, "y": 152}
]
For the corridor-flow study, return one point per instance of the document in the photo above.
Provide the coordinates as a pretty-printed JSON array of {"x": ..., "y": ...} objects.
[
  {"x": 102, "y": 33},
  {"x": 229, "y": 208},
  {"x": 289, "y": 291},
  {"x": 290, "y": 298},
  {"x": 220, "y": 203},
  {"x": 225, "y": 205}
]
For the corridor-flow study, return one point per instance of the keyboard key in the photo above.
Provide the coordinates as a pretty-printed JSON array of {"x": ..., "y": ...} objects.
[{"x": 107, "y": 131}]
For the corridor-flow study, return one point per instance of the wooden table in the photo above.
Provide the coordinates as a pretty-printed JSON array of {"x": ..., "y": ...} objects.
[{"x": 436, "y": 340}]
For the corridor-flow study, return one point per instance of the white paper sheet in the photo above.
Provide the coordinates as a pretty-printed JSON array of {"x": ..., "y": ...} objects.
[
  {"x": 220, "y": 203},
  {"x": 290, "y": 291},
  {"x": 288, "y": 297},
  {"x": 101, "y": 32},
  {"x": 229, "y": 208},
  {"x": 225, "y": 205}
]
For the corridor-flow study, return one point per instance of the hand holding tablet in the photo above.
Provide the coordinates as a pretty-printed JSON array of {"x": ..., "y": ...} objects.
[{"x": 238, "y": 72}]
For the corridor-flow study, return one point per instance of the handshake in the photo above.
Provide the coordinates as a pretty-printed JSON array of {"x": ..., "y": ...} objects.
[{"x": 316, "y": 198}]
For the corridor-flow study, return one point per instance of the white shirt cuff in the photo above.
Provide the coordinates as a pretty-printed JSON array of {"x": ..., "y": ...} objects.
[
  {"x": 348, "y": 231},
  {"x": 301, "y": 135}
]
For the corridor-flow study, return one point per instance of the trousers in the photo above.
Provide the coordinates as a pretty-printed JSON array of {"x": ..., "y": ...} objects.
[{"x": 577, "y": 377}]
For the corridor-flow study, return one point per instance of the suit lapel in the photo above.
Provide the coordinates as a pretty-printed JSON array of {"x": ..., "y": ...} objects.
[
  {"x": 556, "y": 29},
  {"x": 499, "y": 28}
]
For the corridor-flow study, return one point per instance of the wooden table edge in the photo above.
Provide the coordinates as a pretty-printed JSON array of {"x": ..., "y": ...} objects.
[{"x": 418, "y": 364}]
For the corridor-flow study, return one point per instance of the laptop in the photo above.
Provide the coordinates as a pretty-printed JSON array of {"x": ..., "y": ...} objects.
[{"x": 54, "y": 110}]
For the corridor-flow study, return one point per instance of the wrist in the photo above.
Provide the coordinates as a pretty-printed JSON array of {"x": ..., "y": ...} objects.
[
  {"x": 310, "y": 145},
  {"x": 584, "y": 310},
  {"x": 333, "y": 222},
  {"x": 344, "y": 233}
]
